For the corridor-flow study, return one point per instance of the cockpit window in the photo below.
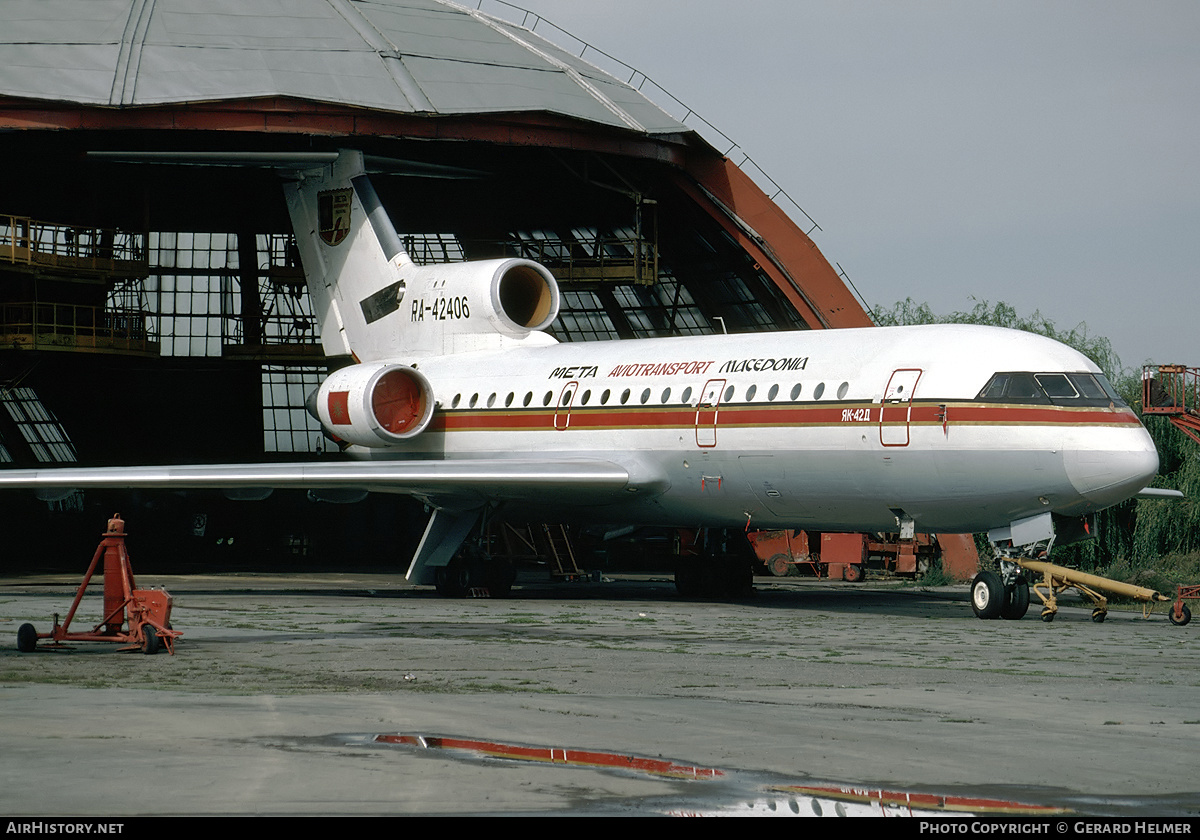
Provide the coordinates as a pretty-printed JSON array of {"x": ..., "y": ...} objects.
[
  {"x": 1088, "y": 387},
  {"x": 1057, "y": 385},
  {"x": 1082, "y": 389},
  {"x": 1004, "y": 387},
  {"x": 1113, "y": 396}
]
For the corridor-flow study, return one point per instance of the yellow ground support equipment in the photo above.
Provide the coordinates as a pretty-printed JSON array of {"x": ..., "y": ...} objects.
[{"x": 1056, "y": 579}]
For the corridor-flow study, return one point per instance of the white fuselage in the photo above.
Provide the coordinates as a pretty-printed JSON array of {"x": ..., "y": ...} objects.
[{"x": 833, "y": 429}]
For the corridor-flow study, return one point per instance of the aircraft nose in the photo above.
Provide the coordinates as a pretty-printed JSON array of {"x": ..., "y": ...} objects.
[{"x": 1113, "y": 471}]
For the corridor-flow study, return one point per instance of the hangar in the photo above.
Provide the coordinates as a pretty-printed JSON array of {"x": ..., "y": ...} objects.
[{"x": 151, "y": 307}]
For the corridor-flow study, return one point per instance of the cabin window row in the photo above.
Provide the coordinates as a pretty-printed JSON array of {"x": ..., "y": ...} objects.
[{"x": 687, "y": 396}]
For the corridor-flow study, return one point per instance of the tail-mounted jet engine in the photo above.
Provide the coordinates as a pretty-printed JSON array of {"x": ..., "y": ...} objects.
[
  {"x": 525, "y": 294},
  {"x": 375, "y": 404},
  {"x": 470, "y": 304}
]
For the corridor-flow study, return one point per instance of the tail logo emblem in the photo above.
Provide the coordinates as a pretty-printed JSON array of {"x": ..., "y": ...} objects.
[{"x": 333, "y": 211}]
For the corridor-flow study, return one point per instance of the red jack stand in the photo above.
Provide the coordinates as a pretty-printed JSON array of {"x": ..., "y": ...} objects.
[{"x": 147, "y": 611}]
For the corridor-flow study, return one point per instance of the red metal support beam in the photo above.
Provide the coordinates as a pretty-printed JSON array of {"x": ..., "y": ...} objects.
[{"x": 283, "y": 115}]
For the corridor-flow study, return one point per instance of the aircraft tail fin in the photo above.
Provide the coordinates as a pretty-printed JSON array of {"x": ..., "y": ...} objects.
[
  {"x": 351, "y": 254},
  {"x": 373, "y": 302}
]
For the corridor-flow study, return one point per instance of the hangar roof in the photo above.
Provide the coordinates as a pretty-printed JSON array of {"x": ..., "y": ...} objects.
[{"x": 421, "y": 57}]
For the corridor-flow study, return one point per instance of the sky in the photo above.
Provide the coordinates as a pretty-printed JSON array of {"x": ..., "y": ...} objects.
[{"x": 1043, "y": 154}]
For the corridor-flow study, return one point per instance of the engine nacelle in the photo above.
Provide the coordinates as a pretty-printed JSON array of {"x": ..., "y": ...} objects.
[
  {"x": 375, "y": 404},
  {"x": 509, "y": 297},
  {"x": 524, "y": 296}
]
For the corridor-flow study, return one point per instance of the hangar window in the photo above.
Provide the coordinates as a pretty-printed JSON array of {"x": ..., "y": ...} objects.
[
  {"x": 662, "y": 309},
  {"x": 189, "y": 273},
  {"x": 287, "y": 425},
  {"x": 741, "y": 305},
  {"x": 583, "y": 318},
  {"x": 41, "y": 430}
]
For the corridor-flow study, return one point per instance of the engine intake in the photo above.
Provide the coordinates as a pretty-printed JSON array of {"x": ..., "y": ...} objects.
[
  {"x": 526, "y": 293},
  {"x": 375, "y": 405}
]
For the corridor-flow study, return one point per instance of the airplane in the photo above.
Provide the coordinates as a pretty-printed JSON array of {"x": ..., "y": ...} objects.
[{"x": 455, "y": 394}]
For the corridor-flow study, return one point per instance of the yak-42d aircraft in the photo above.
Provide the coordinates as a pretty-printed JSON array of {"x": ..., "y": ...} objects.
[{"x": 457, "y": 396}]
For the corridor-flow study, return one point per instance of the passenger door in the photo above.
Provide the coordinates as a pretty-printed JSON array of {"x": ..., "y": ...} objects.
[
  {"x": 706, "y": 413},
  {"x": 895, "y": 409}
]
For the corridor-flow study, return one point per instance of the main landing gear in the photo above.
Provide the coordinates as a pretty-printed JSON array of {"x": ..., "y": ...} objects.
[
  {"x": 715, "y": 563},
  {"x": 473, "y": 571}
]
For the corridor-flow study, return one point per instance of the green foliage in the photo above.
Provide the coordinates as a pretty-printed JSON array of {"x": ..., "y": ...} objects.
[
  {"x": 1170, "y": 527},
  {"x": 1133, "y": 534},
  {"x": 1096, "y": 348}
]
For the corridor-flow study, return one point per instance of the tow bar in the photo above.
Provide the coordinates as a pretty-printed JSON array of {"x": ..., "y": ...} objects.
[{"x": 1056, "y": 579}]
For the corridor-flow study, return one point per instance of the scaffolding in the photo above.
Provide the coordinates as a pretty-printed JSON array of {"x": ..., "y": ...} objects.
[{"x": 1173, "y": 391}]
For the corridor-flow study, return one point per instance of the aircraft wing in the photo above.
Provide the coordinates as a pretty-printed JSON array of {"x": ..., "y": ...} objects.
[{"x": 466, "y": 481}]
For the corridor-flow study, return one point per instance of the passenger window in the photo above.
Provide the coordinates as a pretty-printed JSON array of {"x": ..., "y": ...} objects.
[
  {"x": 457, "y": 399},
  {"x": 819, "y": 390},
  {"x": 491, "y": 401},
  {"x": 509, "y": 399},
  {"x": 645, "y": 396},
  {"x": 687, "y": 396},
  {"x": 528, "y": 397},
  {"x": 729, "y": 393},
  {"x": 843, "y": 389},
  {"x": 773, "y": 393},
  {"x": 549, "y": 396},
  {"x": 750, "y": 392},
  {"x": 666, "y": 395},
  {"x": 604, "y": 397},
  {"x": 796, "y": 392},
  {"x": 587, "y": 395},
  {"x": 625, "y": 396},
  {"x": 474, "y": 400}
]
